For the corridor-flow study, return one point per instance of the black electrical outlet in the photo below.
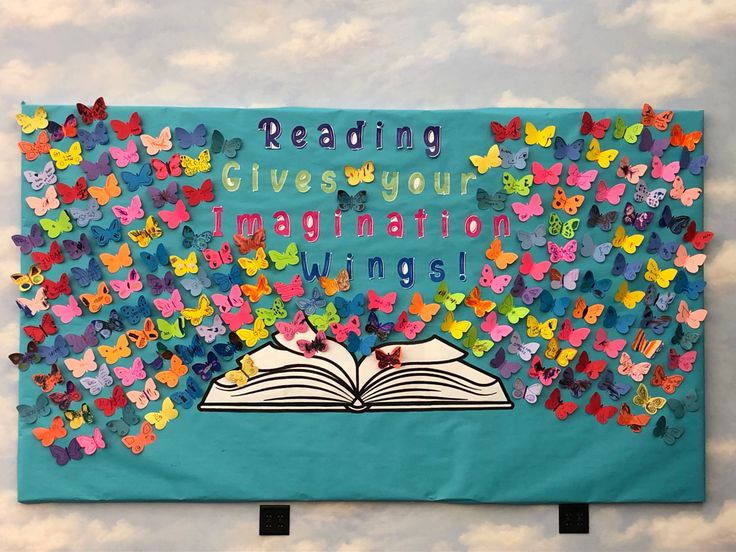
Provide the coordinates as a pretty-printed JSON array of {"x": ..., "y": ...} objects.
[
  {"x": 574, "y": 518},
  {"x": 274, "y": 520}
]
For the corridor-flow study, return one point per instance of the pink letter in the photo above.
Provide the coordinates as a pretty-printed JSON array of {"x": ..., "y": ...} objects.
[
  {"x": 217, "y": 228},
  {"x": 363, "y": 221},
  {"x": 338, "y": 223},
  {"x": 395, "y": 226},
  {"x": 251, "y": 221},
  {"x": 420, "y": 217},
  {"x": 473, "y": 226},
  {"x": 310, "y": 223},
  {"x": 445, "y": 223},
  {"x": 497, "y": 220},
  {"x": 282, "y": 226}
]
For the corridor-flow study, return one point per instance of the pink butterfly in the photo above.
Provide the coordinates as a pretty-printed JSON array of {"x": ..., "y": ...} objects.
[
  {"x": 409, "y": 329},
  {"x": 126, "y": 215},
  {"x": 142, "y": 398},
  {"x": 383, "y": 303},
  {"x": 42, "y": 205},
  {"x": 125, "y": 288},
  {"x": 342, "y": 331},
  {"x": 691, "y": 318},
  {"x": 79, "y": 367},
  {"x": 496, "y": 283},
  {"x": 525, "y": 211},
  {"x": 288, "y": 291},
  {"x": 310, "y": 347},
  {"x": 91, "y": 444},
  {"x": 684, "y": 361},
  {"x": 627, "y": 367},
  {"x": 666, "y": 172},
  {"x": 233, "y": 299},
  {"x": 574, "y": 336},
  {"x": 124, "y": 156},
  {"x": 290, "y": 329},
  {"x": 582, "y": 180},
  {"x": 128, "y": 376},
  {"x": 174, "y": 218},
  {"x": 236, "y": 320},
  {"x": 68, "y": 312},
  {"x": 545, "y": 375},
  {"x": 39, "y": 302},
  {"x": 535, "y": 270},
  {"x": 686, "y": 196},
  {"x": 169, "y": 306},
  {"x": 565, "y": 253},
  {"x": 691, "y": 263},
  {"x": 218, "y": 258},
  {"x": 491, "y": 327},
  {"x": 549, "y": 176},
  {"x": 612, "y": 195},
  {"x": 612, "y": 347}
]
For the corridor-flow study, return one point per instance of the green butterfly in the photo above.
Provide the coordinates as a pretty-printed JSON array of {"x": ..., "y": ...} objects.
[
  {"x": 168, "y": 330},
  {"x": 322, "y": 321},
  {"x": 629, "y": 134},
  {"x": 567, "y": 229},
  {"x": 449, "y": 300},
  {"x": 514, "y": 314},
  {"x": 55, "y": 227},
  {"x": 276, "y": 312},
  {"x": 290, "y": 256},
  {"x": 521, "y": 186},
  {"x": 478, "y": 347}
]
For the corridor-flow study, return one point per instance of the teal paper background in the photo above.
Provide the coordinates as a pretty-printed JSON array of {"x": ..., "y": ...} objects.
[{"x": 523, "y": 455}]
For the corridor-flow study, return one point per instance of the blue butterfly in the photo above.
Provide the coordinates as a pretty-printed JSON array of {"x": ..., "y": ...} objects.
[
  {"x": 691, "y": 289},
  {"x": 225, "y": 350},
  {"x": 310, "y": 304},
  {"x": 160, "y": 257},
  {"x": 510, "y": 159},
  {"x": 189, "y": 238},
  {"x": 347, "y": 308},
  {"x": 363, "y": 346},
  {"x": 608, "y": 383},
  {"x": 549, "y": 303},
  {"x": 105, "y": 328},
  {"x": 694, "y": 165},
  {"x": 135, "y": 181},
  {"x": 103, "y": 236},
  {"x": 597, "y": 287},
  {"x": 188, "y": 352},
  {"x": 186, "y": 139},
  {"x": 134, "y": 314},
  {"x": 573, "y": 150},
  {"x": 85, "y": 277},
  {"x": 622, "y": 322},
  {"x": 226, "y": 281},
  {"x": 90, "y": 139},
  {"x": 205, "y": 370},
  {"x": 186, "y": 398},
  {"x": 58, "y": 350}
]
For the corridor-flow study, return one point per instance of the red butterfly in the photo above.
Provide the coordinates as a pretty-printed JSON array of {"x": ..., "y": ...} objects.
[
  {"x": 698, "y": 239},
  {"x": 389, "y": 360},
  {"x": 40, "y": 333},
  {"x": 596, "y": 408},
  {"x": 47, "y": 260},
  {"x": 33, "y": 149},
  {"x": 131, "y": 128},
  {"x": 561, "y": 409},
  {"x": 69, "y": 194},
  {"x": 596, "y": 128},
  {"x": 511, "y": 131},
  {"x": 109, "y": 406},
  {"x": 196, "y": 195},
  {"x": 668, "y": 383},
  {"x": 592, "y": 368},
  {"x": 246, "y": 245},
  {"x": 64, "y": 400},
  {"x": 48, "y": 382},
  {"x": 164, "y": 169},
  {"x": 55, "y": 289},
  {"x": 97, "y": 112}
]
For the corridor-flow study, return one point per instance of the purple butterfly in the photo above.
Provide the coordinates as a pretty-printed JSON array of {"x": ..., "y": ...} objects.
[
  {"x": 693, "y": 164},
  {"x": 58, "y": 350},
  {"x": 576, "y": 387},
  {"x": 95, "y": 170},
  {"x": 77, "y": 248},
  {"x": 639, "y": 220},
  {"x": 106, "y": 327},
  {"x": 161, "y": 285},
  {"x": 59, "y": 132},
  {"x": 90, "y": 139},
  {"x": 27, "y": 243},
  {"x": 62, "y": 455},
  {"x": 572, "y": 150},
  {"x": 615, "y": 390},
  {"x": 78, "y": 343},
  {"x": 186, "y": 139},
  {"x": 375, "y": 327},
  {"x": 527, "y": 295},
  {"x": 655, "y": 147},
  {"x": 665, "y": 250},
  {"x": 657, "y": 324},
  {"x": 505, "y": 368},
  {"x": 167, "y": 195},
  {"x": 205, "y": 369},
  {"x": 629, "y": 270},
  {"x": 155, "y": 364}
]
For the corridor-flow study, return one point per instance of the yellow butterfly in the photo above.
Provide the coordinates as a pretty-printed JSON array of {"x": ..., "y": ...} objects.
[
  {"x": 478, "y": 347},
  {"x": 111, "y": 190},
  {"x": 333, "y": 285},
  {"x": 542, "y": 137},
  {"x": 167, "y": 413},
  {"x": 490, "y": 160},
  {"x": 521, "y": 186},
  {"x": 184, "y": 266},
  {"x": 456, "y": 328},
  {"x": 514, "y": 314},
  {"x": 247, "y": 370},
  {"x": 629, "y": 299},
  {"x": 627, "y": 243},
  {"x": 662, "y": 277},
  {"x": 252, "y": 266},
  {"x": 502, "y": 258},
  {"x": 119, "y": 260},
  {"x": 650, "y": 404},
  {"x": 535, "y": 328},
  {"x": 119, "y": 350},
  {"x": 563, "y": 357},
  {"x": 168, "y": 330},
  {"x": 27, "y": 281},
  {"x": 203, "y": 310},
  {"x": 604, "y": 158},
  {"x": 62, "y": 159},
  {"x": 150, "y": 232},
  {"x": 254, "y": 335},
  {"x": 322, "y": 321},
  {"x": 56, "y": 227},
  {"x": 30, "y": 124},
  {"x": 363, "y": 174},
  {"x": 290, "y": 256},
  {"x": 200, "y": 164},
  {"x": 449, "y": 300},
  {"x": 78, "y": 417}
]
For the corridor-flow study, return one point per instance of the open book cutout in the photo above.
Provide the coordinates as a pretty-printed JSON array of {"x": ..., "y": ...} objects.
[{"x": 432, "y": 376}]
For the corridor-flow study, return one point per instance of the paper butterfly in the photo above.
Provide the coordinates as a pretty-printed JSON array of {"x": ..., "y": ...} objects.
[
  {"x": 596, "y": 408},
  {"x": 583, "y": 180},
  {"x": 126, "y": 215},
  {"x": 195, "y": 196},
  {"x": 511, "y": 131},
  {"x": 534, "y": 136},
  {"x": 505, "y": 368},
  {"x": 484, "y": 200},
  {"x": 491, "y": 159},
  {"x": 123, "y": 130},
  {"x": 576, "y": 387},
  {"x": 186, "y": 139},
  {"x": 561, "y": 409},
  {"x": 604, "y": 158},
  {"x": 167, "y": 195},
  {"x": 596, "y": 128},
  {"x": 572, "y": 151},
  {"x": 290, "y": 257},
  {"x": 510, "y": 159},
  {"x": 536, "y": 238},
  {"x": 30, "y": 124},
  {"x": 629, "y": 133},
  {"x": 156, "y": 144},
  {"x": 525, "y": 211},
  {"x": 44, "y": 178},
  {"x": 411, "y": 329}
]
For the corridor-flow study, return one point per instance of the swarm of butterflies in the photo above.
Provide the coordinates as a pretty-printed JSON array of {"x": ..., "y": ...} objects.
[{"x": 585, "y": 346}]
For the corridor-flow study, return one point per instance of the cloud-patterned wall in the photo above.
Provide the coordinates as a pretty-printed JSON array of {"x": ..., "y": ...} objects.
[{"x": 392, "y": 54}]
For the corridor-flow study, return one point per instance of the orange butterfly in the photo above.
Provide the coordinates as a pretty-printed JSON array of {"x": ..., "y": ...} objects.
[
  {"x": 119, "y": 350},
  {"x": 119, "y": 260},
  {"x": 658, "y": 120},
  {"x": 103, "y": 195},
  {"x": 332, "y": 286},
  {"x": 47, "y": 436},
  {"x": 589, "y": 313},
  {"x": 142, "y": 337},
  {"x": 94, "y": 302},
  {"x": 136, "y": 443},
  {"x": 480, "y": 306},
  {"x": 425, "y": 311},
  {"x": 679, "y": 138},
  {"x": 171, "y": 376},
  {"x": 246, "y": 245},
  {"x": 33, "y": 149},
  {"x": 635, "y": 423},
  {"x": 255, "y": 293},
  {"x": 501, "y": 258},
  {"x": 668, "y": 383},
  {"x": 568, "y": 204}
]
